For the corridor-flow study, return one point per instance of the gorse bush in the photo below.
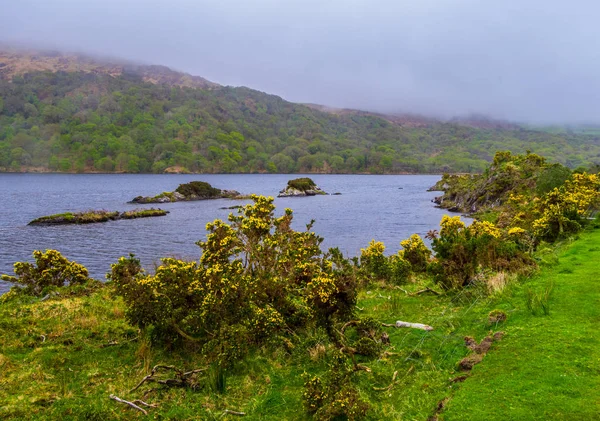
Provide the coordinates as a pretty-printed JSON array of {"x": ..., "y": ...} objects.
[
  {"x": 462, "y": 251},
  {"x": 415, "y": 252},
  {"x": 51, "y": 269},
  {"x": 257, "y": 280}
]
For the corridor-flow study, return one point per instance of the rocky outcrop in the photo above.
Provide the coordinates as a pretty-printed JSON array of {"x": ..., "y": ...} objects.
[
  {"x": 95, "y": 216},
  {"x": 301, "y": 187},
  {"x": 195, "y": 190}
]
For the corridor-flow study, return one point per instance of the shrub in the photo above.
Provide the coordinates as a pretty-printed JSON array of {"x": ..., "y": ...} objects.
[
  {"x": 257, "y": 280},
  {"x": 51, "y": 269},
  {"x": 198, "y": 188},
  {"x": 302, "y": 184}
]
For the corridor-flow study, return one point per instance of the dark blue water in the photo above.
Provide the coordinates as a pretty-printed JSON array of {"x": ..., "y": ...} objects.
[{"x": 387, "y": 208}]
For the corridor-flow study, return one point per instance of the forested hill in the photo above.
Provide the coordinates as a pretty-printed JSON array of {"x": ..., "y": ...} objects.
[{"x": 85, "y": 119}]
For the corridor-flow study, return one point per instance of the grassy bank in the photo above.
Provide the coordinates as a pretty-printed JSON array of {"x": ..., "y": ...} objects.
[{"x": 61, "y": 358}]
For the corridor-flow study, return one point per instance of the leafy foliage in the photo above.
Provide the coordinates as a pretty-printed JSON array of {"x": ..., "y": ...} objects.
[{"x": 51, "y": 269}]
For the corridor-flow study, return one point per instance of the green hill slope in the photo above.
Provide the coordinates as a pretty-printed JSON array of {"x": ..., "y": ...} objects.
[{"x": 81, "y": 117}]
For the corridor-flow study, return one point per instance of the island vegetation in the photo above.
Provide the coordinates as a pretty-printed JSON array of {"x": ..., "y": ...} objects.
[
  {"x": 266, "y": 325},
  {"x": 194, "y": 190},
  {"x": 95, "y": 216},
  {"x": 303, "y": 186}
]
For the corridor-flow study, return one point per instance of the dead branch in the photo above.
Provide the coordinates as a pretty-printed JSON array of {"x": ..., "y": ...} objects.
[
  {"x": 380, "y": 389},
  {"x": 182, "y": 379},
  {"x": 348, "y": 324},
  {"x": 394, "y": 381},
  {"x": 400, "y": 323},
  {"x": 423, "y": 291},
  {"x": 230, "y": 412},
  {"x": 362, "y": 367},
  {"x": 131, "y": 404},
  {"x": 115, "y": 342},
  {"x": 149, "y": 405},
  {"x": 182, "y": 333}
]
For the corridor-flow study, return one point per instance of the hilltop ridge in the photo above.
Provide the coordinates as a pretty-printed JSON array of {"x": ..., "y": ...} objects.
[{"x": 17, "y": 62}]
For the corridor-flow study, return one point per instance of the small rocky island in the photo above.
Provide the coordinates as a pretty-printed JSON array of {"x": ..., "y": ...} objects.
[
  {"x": 95, "y": 216},
  {"x": 300, "y": 187},
  {"x": 195, "y": 190}
]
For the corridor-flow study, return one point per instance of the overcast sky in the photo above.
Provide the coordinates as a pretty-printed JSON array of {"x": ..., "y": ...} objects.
[{"x": 525, "y": 60}]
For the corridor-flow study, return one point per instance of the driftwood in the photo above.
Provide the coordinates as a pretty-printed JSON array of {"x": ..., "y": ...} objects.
[
  {"x": 182, "y": 378},
  {"x": 131, "y": 404},
  {"x": 400, "y": 323}
]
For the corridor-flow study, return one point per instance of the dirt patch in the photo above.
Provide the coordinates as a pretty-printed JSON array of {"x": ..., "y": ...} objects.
[{"x": 478, "y": 350}]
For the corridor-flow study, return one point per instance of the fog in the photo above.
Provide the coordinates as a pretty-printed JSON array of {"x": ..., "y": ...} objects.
[{"x": 523, "y": 60}]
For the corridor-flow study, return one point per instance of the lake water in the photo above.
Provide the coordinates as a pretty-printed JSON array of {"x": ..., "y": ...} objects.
[{"x": 387, "y": 208}]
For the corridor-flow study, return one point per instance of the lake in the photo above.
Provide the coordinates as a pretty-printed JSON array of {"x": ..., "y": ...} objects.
[{"x": 387, "y": 208}]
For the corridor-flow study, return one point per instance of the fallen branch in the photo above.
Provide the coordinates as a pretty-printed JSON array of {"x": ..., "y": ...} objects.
[
  {"x": 131, "y": 404},
  {"x": 423, "y": 291},
  {"x": 380, "y": 389},
  {"x": 182, "y": 379},
  {"x": 400, "y": 323}
]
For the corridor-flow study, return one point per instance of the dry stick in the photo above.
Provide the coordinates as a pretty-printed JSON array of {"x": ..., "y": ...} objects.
[
  {"x": 391, "y": 384},
  {"x": 230, "y": 412},
  {"x": 394, "y": 381},
  {"x": 131, "y": 404},
  {"x": 115, "y": 342},
  {"x": 400, "y": 323},
  {"x": 149, "y": 405},
  {"x": 423, "y": 291}
]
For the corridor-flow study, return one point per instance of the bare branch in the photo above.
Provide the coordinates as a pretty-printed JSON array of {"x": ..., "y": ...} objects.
[{"x": 131, "y": 404}]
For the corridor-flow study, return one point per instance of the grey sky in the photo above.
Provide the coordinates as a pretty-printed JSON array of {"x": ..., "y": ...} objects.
[{"x": 533, "y": 60}]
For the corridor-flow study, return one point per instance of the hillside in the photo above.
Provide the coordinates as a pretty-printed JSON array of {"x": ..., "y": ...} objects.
[{"x": 75, "y": 114}]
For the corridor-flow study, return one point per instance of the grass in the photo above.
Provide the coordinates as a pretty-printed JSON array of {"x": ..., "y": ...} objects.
[
  {"x": 61, "y": 358},
  {"x": 547, "y": 367},
  {"x": 143, "y": 213},
  {"x": 95, "y": 216},
  {"x": 88, "y": 217}
]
